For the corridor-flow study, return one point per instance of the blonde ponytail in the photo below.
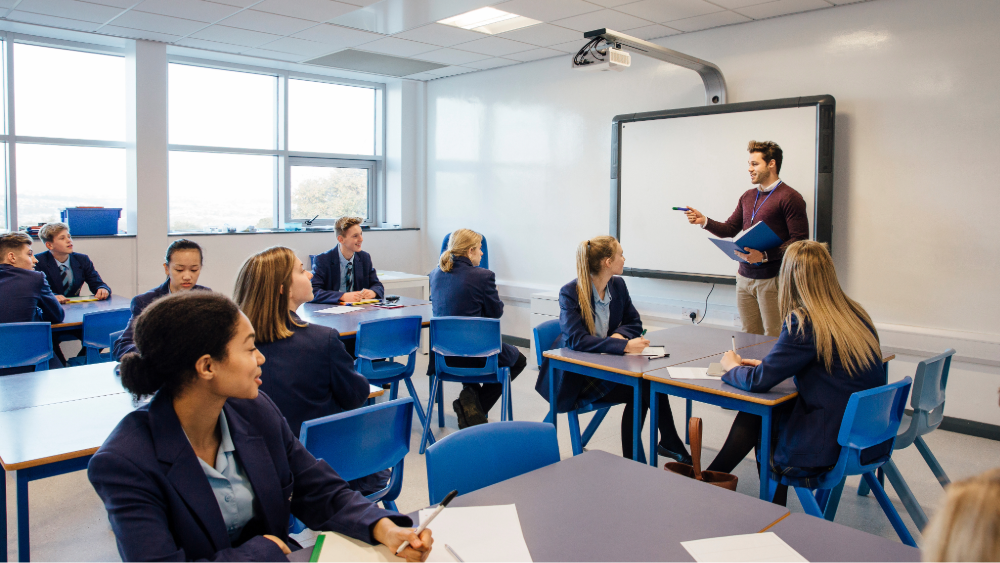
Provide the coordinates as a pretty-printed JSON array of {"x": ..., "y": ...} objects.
[
  {"x": 460, "y": 243},
  {"x": 589, "y": 256}
]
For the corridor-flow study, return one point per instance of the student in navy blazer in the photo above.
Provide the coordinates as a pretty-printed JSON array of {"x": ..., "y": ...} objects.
[
  {"x": 210, "y": 470},
  {"x": 816, "y": 311},
  {"x": 183, "y": 267},
  {"x": 603, "y": 322},
  {"x": 60, "y": 251},
  {"x": 459, "y": 288},
  {"x": 26, "y": 296},
  {"x": 345, "y": 262}
]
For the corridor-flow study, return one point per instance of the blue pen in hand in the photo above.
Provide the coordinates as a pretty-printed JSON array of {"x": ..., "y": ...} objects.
[{"x": 680, "y": 209}]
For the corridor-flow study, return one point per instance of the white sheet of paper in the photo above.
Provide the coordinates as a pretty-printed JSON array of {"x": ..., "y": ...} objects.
[
  {"x": 337, "y": 310},
  {"x": 689, "y": 373},
  {"x": 478, "y": 534},
  {"x": 748, "y": 547},
  {"x": 342, "y": 548},
  {"x": 716, "y": 369},
  {"x": 650, "y": 351}
]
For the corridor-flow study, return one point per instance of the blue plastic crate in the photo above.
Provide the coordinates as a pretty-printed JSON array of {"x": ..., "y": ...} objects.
[{"x": 84, "y": 221}]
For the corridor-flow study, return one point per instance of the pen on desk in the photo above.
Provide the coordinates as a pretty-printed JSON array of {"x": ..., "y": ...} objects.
[
  {"x": 453, "y": 554},
  {"x": 425, "y": 523},
  {"x": 680, "y": 209},
  {"x": 734, "y": 343}
]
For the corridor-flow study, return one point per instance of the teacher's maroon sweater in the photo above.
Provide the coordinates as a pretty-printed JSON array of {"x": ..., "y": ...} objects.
[{"x": 784, "y": 212}]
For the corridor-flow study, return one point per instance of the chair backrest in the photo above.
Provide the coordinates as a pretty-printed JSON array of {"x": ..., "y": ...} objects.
[
  {"x": 928, "y": 391},
  {"x": 482, "y": 455},
  {"x": 467, "y": 337},
  {"x": 484, "y": 263},
  {"x": 545, "y": 338},
  {"x": 99, "y": 326},
  {"x": 25, "y": 344},
  {"x": 312, "y": 261},
  {"x": 363, "y": 441},
  {"x": 388, "y": 338},
  {"x": 872, "y": 417}
]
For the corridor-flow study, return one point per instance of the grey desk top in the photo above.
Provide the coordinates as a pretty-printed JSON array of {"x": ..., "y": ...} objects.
[
  {"x": 76, "y": 311},
  {"x": 819, "y": 540},
  {"x": 40, "y": 388},
  {"x": 684, "y": 344},
  {"x": 347, "y": 324}
]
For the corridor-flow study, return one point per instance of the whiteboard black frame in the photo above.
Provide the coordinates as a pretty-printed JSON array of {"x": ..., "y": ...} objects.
[{"x": 823, "y": 212}]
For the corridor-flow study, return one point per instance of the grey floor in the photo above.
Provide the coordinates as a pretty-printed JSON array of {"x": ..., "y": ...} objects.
[{"x": 68, "y": 522}]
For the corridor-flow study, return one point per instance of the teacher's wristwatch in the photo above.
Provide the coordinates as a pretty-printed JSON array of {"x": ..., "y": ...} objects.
[{"x": 765, "y": 257}]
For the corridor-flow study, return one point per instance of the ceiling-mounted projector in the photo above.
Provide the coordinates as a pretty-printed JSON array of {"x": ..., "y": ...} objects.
[{"x": 602, "y": 58}]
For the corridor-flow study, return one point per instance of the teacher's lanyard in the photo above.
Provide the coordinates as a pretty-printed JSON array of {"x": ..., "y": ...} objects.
[{"x": 755, "y": 208}]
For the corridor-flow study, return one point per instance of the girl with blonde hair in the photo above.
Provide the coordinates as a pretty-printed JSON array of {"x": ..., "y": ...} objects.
[
  {"x": 596, "y": 315},
  {"x": 828, "y": 343},
  {"x": 459, "y": 288},
  {"x": 967, "y": 527}
]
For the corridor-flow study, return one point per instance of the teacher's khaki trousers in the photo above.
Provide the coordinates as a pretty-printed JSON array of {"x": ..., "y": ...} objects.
[{"x": 757, "y": 302}]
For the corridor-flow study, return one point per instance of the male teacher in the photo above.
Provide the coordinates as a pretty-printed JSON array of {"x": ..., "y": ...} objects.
[{"x": 783, "y": 210}]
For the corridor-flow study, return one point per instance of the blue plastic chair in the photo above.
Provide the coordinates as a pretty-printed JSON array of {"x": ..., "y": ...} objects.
[
  {"x": 927, "y": 402},
  {"x": 546, "y": 335},
  {"x": 25, "y": 344},
  {"x": 100, "y": 330},
  {"x": 467, "y": 337},
  {"x": 485, "y": 263},
  {"x": 872, "y": 417},
  {"x": 486, "y": 454},
  {"x": 390, "y": 338},
  {"x": 364, "y": 441}
]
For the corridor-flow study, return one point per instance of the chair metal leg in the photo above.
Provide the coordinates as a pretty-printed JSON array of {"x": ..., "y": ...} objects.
[
  {"x": 430, "y": 414},
  {"x": 390, "y": 505},
  {"x": 932, "y": 461},
  {"x": 808, "y": 502},
  {"x": 687, "y": 424},
  {"x": 574, "y": 432},
  {"x": 440, "y": 403},
  {"x": 910, "y": 503},
  {"x": 830, "y": 510},
  {"x": 863, "y": 488},
  {"x": 890, "y": 510},
  {"x": 822, "y": 497},
  {"x": 23, "y": 538},
  {"x": 595, "y": 421},
  {"x": 417, "y": 406},
  {"x": 504, "y": 400},
  {"x": 3, "y": 519},
  {"x": 393, "y": 390}
]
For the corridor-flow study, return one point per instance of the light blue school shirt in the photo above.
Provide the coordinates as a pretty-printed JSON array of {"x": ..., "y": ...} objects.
[
  {"x": 602, "y": 311},
  {"x": 343, "y": 269},
  {"x": 65, "y": 266},
  {"x": 229, "y": 482}
]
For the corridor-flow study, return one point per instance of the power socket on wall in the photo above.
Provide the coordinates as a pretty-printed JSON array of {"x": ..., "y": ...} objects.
[{"x": 690, "y": 314}]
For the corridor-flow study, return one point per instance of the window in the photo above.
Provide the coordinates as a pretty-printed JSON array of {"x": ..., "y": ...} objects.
[
  {"x": 240, "y": 158},
  {"x": 69, "y": 108}
]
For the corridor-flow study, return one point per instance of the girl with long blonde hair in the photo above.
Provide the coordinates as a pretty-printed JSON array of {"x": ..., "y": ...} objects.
[
  {"x": 828, "y": 343},
  {"x": 596, "y": 315},
  {"x": 967, "y": 526}
]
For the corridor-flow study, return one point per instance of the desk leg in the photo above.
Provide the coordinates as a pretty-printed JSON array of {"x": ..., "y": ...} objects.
[
  {"x": 3, "y": 518},
  {"x": 552, "y": 398},
  {"x": 765, "y": 455},
  {"x": 636, "y": 419},
  {"x": 23, "y": 541},
  {"x": 654, "y": 416}
]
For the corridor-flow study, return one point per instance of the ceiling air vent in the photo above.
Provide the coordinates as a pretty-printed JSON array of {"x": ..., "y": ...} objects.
[{"x": 373, "y": 63}]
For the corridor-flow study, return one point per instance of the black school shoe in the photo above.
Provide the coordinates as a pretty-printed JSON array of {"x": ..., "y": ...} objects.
[
  {"x": 462, "y": 422},
  {"x": 473, "y": 411},
  {"x": 678, "y": 457}
]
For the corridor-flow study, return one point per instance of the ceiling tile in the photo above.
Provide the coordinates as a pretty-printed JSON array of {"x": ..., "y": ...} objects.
[
  {"x": 397, "y": 47},
  {"x": 139, "y": 34},
  {"x": 548, "y": 10},
  {"x": 542, "y": 35},
  {"x": 610, "y": 3},
  {"x": 491, "y": 63},
  {"x": 116, "y": 3},
  {"x": 608, "y": 19},
  {"x": 210, "y": 45},
  {"x": 312, "y": 10},
  {"x": 336, "y": 35},
  {"x": 651, "y": 32},
  {"x": 238, "y": 3},
  {"x": 266, "y": 54},
  {"x": 660, "y": 11},
  {"x": 731, "y": 4},
  {"x": 70, "y": 9},
  {"x": 450, "y": 71},
  {"x": 571, "y": 46},
  {"x": 707, "y": 21},
  {"x": 267, "y": 23},
  {"x": 197, "y": 10},
  {"x": 494, "y": 46},
  {"x": 781, "y": 8},
  {"x": 422, "y": 76},
  {"x": 155, "y": 22},
  {"x": 234, "y": 36},
  {"x": 298, "y": 47},
  {"x": 535, "y": 54},
  {"x": 451, "y": 57},
  {"x": 441, "y": 35},
  {"x": 361, "y": 3},
  {"x": 52, "y": 21}
]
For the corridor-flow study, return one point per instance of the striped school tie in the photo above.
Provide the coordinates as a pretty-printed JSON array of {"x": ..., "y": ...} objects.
[
  {"x": 350, "y": 277},
  {"x": 67, "y": 276}
]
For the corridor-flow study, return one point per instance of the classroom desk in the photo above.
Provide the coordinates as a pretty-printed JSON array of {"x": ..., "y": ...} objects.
[
  {"x": 392, "y": 281},
  {"x": 684, "y": 343},
  {"x": 76, "y": 311},
  {"x": 347, "y": 323},
  {"x": 51, "y": 423},
  {"x": 819, "y": 540}
]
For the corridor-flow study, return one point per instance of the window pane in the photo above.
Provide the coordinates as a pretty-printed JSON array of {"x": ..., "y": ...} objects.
[
  {"x": 330, "y": 118},
  {"x": 69, "y": 94},
  {"x": 219, "y": 190},
  {"x": 329, "y": 192},
  {"x": 50, "y": 178},
  {"x": 221, "y": 108},
  {"x": 3, "y": 187}
]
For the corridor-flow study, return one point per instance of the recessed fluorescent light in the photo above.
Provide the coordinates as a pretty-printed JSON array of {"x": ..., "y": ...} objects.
[{"x": 489, "y": 20}]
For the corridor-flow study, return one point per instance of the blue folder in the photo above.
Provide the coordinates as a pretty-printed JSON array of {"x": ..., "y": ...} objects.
[{"x": 758, "y": 237}]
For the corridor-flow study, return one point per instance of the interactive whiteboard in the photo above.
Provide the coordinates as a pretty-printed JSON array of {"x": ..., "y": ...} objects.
[{"x": 697, "y": 157}]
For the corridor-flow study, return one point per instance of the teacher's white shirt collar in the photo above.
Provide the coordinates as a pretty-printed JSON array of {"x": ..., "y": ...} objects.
[{"x": 771, "y": 187}]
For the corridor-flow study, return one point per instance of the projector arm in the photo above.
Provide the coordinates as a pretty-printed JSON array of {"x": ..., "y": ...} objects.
[{"x": 715, "y": 83}]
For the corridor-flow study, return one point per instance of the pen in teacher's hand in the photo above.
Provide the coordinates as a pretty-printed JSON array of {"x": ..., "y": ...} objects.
[
  {"x": 734, "y": 343},
  {"x": 680, "y": 209},
  {"x": 425, "y": 523}
]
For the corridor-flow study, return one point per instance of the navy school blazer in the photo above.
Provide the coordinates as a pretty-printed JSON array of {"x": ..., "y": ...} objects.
[
  {"x": 623, "y": 319},
  {"x": 468, "y": 291},
  {"x": 27, "y": 297},
  {"x": 162, "y": 508},
  {"x": 310, "y": 375},
  {"x": 808, "y": 436},
  {"x": 83, "y": 271},
  {"x": 124, "y": 344},
  {"x": 326, "y": 276}
]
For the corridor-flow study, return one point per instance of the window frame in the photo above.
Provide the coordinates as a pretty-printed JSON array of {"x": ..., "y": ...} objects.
[{"x": 282, "y": 181}]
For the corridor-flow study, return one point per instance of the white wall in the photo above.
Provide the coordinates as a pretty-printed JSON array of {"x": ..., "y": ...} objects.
[{"x": 522, "y": 153}]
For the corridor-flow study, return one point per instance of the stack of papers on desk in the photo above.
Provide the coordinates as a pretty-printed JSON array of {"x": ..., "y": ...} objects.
[
  {"x": 748, "y": 547},
  {"x": 477, "y": 533},
  {"x": 651, "y": 352},
  {"x": 338, "y": 309},
  {"x": 689, "y": 373}
]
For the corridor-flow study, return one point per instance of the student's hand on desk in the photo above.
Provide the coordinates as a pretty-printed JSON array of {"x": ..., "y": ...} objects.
[
  {"x": 351, "y": 297},
  {"x": 392, "y": 536},
  {"x": 281, "y": 544},
  {"x": 62, "y": 299},
  {"x": 750, "y": 363},
  {"x": 616, "y": 335},
  {"x": 730, "y": 360},
  {"x": 752, "y": 256},
  {"x": 102, "y": 294},
  {"x": 368, "y": 294},
  {"x": 636, "y": 345},
  {"x": 695, "y": 217}
]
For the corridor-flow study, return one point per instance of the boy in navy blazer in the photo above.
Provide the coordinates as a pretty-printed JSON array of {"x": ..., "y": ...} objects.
[
  {"x": 66, "y": 270},
  {"x": 345, "y": 273},
  {"x": 26, "y": 295}
]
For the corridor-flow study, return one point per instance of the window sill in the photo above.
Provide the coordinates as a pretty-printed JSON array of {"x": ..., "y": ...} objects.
[
  {"x": 269, "y": 232},
  {"x": 119, "y": 235}
]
